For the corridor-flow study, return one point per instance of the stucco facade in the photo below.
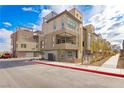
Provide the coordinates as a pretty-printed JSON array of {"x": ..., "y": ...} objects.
[
  {"x": 24, "y": 43},
  {"x": 63, "y": 34}
]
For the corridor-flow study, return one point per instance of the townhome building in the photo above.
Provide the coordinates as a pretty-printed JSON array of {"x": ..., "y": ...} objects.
[
  {"x": 62, "y": 36},
  {"x": 88, "y": 31},
  {"x": 24, "y": 42},
  {"x": 94, "y": 46}
]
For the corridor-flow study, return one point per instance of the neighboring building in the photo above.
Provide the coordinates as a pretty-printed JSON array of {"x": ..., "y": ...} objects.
[
  {"x": 94, "y": 46},
  {"x": 62, "y": 38},
  {"x": 24, "y": 42},
  {"x": 88, "y": 31}
]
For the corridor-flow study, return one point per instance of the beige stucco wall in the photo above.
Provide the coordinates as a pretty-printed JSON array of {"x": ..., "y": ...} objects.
[
  {"x": 30, "y": 46},
  {"x": 24, "y": 35},
  {"x": 75, "y": 12},
  {"x": 49, "y": 27}
]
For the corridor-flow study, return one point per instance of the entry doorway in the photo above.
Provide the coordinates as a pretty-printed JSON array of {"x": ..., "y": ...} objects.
[{"x": 51, "y": 57}]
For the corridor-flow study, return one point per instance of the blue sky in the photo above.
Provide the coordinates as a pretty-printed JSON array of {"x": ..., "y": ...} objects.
[{"x": 108, "y": 20}]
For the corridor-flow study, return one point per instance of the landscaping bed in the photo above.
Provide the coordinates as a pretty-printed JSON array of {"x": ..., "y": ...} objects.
[
  {"x": 100, "y": 62},
  {"x": 120, "y": 64}
]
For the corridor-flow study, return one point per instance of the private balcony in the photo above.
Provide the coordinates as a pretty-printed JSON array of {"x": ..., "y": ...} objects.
[{"x": 66, "y": 46}]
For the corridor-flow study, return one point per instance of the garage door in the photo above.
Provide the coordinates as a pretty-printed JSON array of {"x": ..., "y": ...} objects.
[{"x": 29, "y": 55}]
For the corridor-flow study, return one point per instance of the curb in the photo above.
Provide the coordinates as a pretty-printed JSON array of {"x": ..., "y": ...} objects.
[{"x": 82, "y": 69}]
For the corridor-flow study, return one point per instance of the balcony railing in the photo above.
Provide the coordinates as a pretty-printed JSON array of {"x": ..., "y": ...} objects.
[{"x": 66, "y": 46}]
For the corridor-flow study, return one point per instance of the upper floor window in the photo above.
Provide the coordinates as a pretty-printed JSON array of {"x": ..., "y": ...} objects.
[
  {"x": 70, "y": 53},
  {"x": 42, "y": 44},
  {"x": 23, "y": 45},
  {"x": 62, "y": 23},
  {"x": 80, "y": 18},
  {"x": 77, "y": 15},
  {"x": 36, "y": 46},
  {"x": 54, "y": 25},
  {"x": 71, "y": 23}
]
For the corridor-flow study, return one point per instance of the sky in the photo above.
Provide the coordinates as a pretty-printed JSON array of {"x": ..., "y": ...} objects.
[{"x": 108, "y": 20}]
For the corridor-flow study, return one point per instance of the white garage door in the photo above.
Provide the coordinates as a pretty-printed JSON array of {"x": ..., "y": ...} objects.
[{"x": 29, "y": 54}]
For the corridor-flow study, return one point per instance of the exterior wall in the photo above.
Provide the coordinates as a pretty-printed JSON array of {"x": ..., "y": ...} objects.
[
  {"x": 49, "y": 16},
  {"x": 76, "y": 13},
  {"x": 13, "y": 41},
  {"x": 54, "y": 52},
  {"x": 61, "y": 24},
  {"x": 80, "y": 49},
  {"x": 24, "y": 36},
  {"x": 49, "y": 27},
  {"x": 65, "y": 56},
  {"x": 30, "y": 46},
  {"x": 62, "y": 55},
  {"x": 25, "y": 54},
  {"x": 66, "y": 21},
  {"x": 88, "y": 37}
]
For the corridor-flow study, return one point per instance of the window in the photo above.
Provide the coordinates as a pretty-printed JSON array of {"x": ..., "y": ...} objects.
[
  {"x": 62, "y": 22},
  {"x": 58, "y": 41},
  {"x": 54, "y": 25},
  {"x": 80, "y": 18},
  {"x": 23, "y": 45},
  {"x": 70, "y": 53},
  {"x": 42, "y": 44},
  {"x": 83, "y": 43},
  {"x": 36, "y": 46},
  {"x": 77, "y": 15},
  {"x": 71, "y": 23}
]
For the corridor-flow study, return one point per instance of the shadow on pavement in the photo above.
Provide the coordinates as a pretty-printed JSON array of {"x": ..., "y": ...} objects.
[{"x": 9, "y": 64}]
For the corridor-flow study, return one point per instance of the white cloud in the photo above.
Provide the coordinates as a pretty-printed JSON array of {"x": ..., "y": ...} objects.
[
  {"x": 109, "y": 21},
  {"x": 7, "y": 24},
  {"x": 30, "y": 9},
  {"x": 27, "y": 8},
  {"x": 5, "y": 41},
  {"x": 56, "y": 8},
  {"x": 45, "y": 12},
  {"x": 60, "y": 8},
  {"x": 36, "y": 27}
]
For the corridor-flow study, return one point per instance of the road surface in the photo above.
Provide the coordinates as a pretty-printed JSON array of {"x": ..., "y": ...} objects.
[{"x": 24, "y": 74}]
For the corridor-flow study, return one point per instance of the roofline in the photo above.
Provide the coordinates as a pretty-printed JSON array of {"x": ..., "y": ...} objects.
[
  {"x": 66, "y": 12},
  {"x": 76, "y": 9}
]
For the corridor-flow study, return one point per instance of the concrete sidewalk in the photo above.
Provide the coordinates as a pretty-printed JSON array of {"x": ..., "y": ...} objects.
[
  {"x": 97, "y": 68},
  {"x": 111, "y": 62}
]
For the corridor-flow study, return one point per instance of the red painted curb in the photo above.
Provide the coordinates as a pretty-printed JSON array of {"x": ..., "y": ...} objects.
[{"x": 82, "y": 69}]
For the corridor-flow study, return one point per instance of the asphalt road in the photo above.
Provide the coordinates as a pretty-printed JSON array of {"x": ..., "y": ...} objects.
[
  {"x": 8, "y": 64},
  {"x": 24, "y": 74}
]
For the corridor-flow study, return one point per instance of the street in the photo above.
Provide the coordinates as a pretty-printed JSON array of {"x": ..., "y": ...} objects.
[{"x": 24, "y": 74}]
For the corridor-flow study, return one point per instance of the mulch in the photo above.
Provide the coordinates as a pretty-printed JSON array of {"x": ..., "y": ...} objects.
[
  {"x": 120, "y": 64},
  {"x": 101, "y": 62}
]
